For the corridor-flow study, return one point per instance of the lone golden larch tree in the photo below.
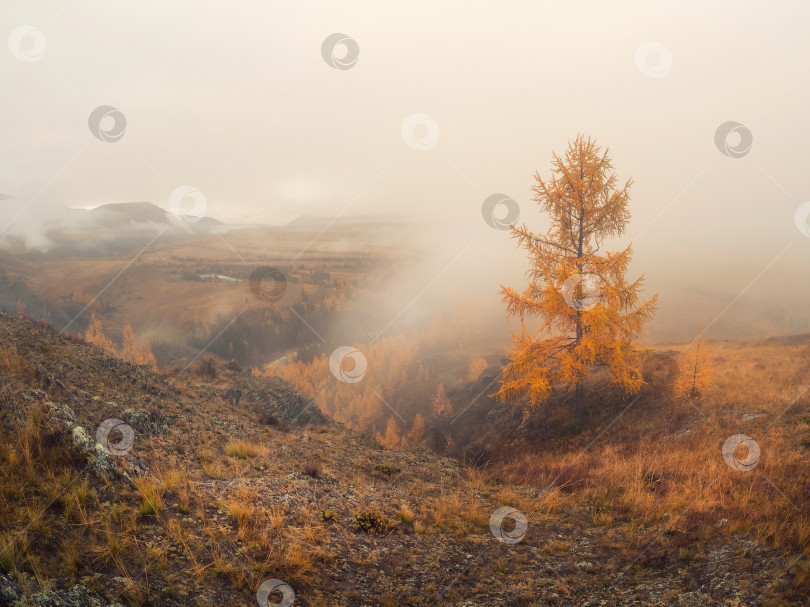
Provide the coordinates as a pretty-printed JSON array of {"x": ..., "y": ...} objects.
[{"x": 590, "y": 314}]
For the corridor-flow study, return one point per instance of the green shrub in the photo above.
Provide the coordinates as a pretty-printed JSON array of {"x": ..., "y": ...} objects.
[{"x": 369, "y": 522}]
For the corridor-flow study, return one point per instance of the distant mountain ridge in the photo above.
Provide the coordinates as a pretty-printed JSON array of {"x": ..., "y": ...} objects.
[
  {"x": 308, "y": 220},
  {"x": 123, "y": 214},
  {"x": 118, "y": 214},
  {"x": 61, "y": 229}
]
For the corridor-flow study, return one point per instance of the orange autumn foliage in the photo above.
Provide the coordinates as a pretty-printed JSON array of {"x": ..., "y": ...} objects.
[
  {"x": 135, "y": 353},
  {"x": 417, "y": 431},
  {"x": 590, "y": 314},
  {"x": 95, "y": 335},
  {"x": 441, "y": 404},
  {"x": 392, "y": 438}
]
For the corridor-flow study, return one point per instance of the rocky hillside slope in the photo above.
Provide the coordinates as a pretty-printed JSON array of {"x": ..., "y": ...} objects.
[{"x": 206, "y": 486}]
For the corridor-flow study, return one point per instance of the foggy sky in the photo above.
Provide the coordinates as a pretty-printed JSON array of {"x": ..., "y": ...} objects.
[{"x": 236, "y": 100}]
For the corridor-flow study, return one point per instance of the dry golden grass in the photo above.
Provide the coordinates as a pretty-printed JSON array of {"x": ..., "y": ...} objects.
[
  {"x": 476, "y": 479},
  {"x": 14, "y": 366},
  {"x": 666, "y": 459},
  {"x": 405, "y": 514},
  {"x": 242, "y": 513},
  {"x": 216, "y": 470},
  {"x": 242, "y": 449},
  {"x": 276, "y": 517},
  {"x": 151, "y": 491},
  {"x": 659, "y": 466}
]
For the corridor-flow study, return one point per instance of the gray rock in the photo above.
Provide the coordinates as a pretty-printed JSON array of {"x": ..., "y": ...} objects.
[
  {"x": 278, "y": 404},
  {"x": 11, "y": 595},
  {"x": 9, "y": 590},
  {"x": 62, "y": 418},
  {"x": 147, "y": 423}
]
